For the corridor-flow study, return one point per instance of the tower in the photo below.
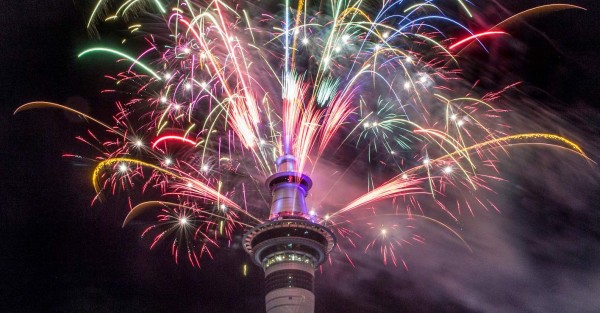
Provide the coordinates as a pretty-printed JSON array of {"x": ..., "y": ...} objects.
[{"x": 290, "y": 245}]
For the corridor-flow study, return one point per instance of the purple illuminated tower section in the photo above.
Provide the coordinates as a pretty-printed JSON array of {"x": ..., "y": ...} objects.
[{"x": 290, "y": 246}]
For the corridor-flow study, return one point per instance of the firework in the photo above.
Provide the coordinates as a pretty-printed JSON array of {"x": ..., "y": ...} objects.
[{"x": 219, "y": 91}]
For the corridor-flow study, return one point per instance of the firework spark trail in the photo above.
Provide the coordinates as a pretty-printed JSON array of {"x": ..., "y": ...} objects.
[
  {"x": 44, "y": 104},
  {"x": 475, "y": 36},
  {"x": 172, "y": 137},
  {"x": 219, "y": 92},
  {"x": 337, "y": 112}
]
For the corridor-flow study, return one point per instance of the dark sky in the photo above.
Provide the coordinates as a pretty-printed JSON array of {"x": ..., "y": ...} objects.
[{"x": 60, "y": 254}]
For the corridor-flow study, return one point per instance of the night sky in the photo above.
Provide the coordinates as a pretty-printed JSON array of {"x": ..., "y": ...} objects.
[{"x": 58, "y": 253}]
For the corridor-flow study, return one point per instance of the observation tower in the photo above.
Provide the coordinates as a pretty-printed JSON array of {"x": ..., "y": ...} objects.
[{"x": 290, "y": 246}]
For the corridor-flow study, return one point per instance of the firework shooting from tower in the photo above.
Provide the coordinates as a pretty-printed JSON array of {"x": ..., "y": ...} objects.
[{"x": 320, "y": 137}]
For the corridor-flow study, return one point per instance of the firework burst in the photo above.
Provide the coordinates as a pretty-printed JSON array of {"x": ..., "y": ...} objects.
[{"x": 220, "y": 90}]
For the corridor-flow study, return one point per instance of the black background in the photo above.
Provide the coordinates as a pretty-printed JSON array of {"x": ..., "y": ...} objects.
[{"x": 60, "y": 254}]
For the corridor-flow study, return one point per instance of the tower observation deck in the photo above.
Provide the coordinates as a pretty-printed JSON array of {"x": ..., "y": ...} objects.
[{"x": 290, "y": 245}]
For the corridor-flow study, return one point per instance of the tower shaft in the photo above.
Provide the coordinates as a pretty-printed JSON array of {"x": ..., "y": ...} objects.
[{"x": 289, "y": 288}]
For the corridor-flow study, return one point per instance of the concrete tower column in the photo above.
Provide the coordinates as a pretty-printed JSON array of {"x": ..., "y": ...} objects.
[{"x": 289, "y": 288}]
